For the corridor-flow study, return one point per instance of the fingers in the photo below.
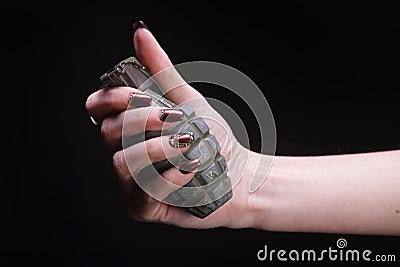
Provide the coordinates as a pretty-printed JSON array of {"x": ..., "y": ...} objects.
[
  {"x": 145, "y": 203},
  {"x": 108, "y": 101},
  {"x": 169, "y": 181},
  {"x": 151, "y": 55},
  {"x": 138, "y": 120},
  {"x": 145, "y": 199},
  {"x": 134, "y": 158},
  {"x": 145, "y": 207}
]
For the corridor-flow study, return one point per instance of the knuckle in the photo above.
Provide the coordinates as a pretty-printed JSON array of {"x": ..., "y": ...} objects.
[
  {"x": 90, "y": 103},
  {"x": 167, "y": 216},
  {"x": 174, "y": 179},
  {"x": 154, "y": 149},
  {"x": 153, "y": 118},
  {"x": 119, "y": 164},
  {"x": 109, "y": 100},
  {"x": 106, "y": 129},
  {"x": 150, "y": 147}
]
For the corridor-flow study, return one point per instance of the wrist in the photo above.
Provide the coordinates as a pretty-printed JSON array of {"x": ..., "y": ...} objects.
[
  {"x": 260, "y": 183},
  {"x": 249, "y": 172},
  {"x": 307, "y": 194},
  {"x": 270, "y": 193},
  {"x": 278, "y": 200}
]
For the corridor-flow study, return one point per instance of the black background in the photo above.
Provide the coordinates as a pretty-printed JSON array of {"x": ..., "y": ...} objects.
[{"x": 328, "y": 70}]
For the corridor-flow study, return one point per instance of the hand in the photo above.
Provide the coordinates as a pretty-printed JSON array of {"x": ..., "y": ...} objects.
[
  {"x": 333, "y": 194},
  {"x": 110, "y": 107}
]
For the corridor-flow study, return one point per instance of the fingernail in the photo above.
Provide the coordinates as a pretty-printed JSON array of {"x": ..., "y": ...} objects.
[
  {"x": 189, "y": 166},
  {"x": 170, "y": 115},
  {"x": 139, "y": 100},
  {"x": 139, "y": 24},
  {"x": 181, "y": 140}
]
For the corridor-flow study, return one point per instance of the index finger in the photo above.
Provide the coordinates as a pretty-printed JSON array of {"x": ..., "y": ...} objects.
[{"x": 108, "y": 101}]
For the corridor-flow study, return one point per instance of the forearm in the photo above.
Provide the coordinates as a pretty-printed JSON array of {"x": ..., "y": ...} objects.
[{"x": 354, "y": 193}]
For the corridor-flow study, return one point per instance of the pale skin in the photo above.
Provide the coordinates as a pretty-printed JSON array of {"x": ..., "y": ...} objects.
[{"x": 351, "y": 193}]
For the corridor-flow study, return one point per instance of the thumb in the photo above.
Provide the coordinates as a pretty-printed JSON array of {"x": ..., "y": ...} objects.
[
  {"x": 147, "y": 49},
  {"x": 153, "y": 57}
]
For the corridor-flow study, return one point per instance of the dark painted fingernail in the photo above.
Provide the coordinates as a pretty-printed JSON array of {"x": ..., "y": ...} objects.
[
  {"x": 139, "y": 24},
  {"x": 139, "y": 100},
  {"x": 181, "y": 140},
  {"x": 189, "y": 166},
  {"x": 170, "y": 115}
]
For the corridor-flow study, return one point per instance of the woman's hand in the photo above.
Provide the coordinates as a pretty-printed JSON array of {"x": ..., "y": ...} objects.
[
  {"x": 356, "y": 193},
  {"x": 109, "y": 106}
]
